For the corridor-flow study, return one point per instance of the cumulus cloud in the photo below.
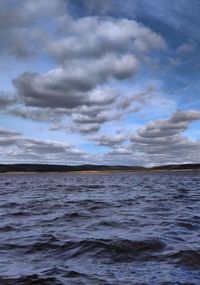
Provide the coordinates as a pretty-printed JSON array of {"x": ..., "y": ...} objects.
[
  {"x": 139, "y": 99},
  {"x": 81, "y": 77},
  {"x": 8, "y": 137},
  {"x": 15, "y": 147},
  {"x": 75, "y": 88},
  {"x": 20, "y": 21},
  {"x": 38, "y": 114},
  {"x": 86, "y": 128},
  {"x": 91, "y": 53},
  {"x": 150, "y": 99},
  {"x": 162, "y": 140},
  {"x": 6, "y": 100},
  {"x": 28, "y": 11},
  {"x": 158, "y": 142},
  {"x": 93, "y": 37},
  {"x": 70, "y": 86},
  {"x": 110, "y": 141}
]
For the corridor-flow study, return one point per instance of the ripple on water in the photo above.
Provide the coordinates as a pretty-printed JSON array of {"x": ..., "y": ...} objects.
[{"x": 136, "y": 228}]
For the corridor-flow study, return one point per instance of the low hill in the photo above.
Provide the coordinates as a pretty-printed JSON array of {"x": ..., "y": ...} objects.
[
  {"x": 4, "y": 168},
  {"x": 188, "y": 166},
  {"x": 63, "y": 168}
]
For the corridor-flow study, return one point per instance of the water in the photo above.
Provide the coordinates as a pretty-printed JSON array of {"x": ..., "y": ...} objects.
[{"x": 136, "y": 228}]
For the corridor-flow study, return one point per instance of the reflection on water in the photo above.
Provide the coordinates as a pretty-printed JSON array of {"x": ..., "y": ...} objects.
[{"x": 129, "y": 228}]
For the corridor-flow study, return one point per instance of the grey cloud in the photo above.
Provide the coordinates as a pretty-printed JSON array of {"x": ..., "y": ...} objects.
[
  {"x": 43, "y": 147},
  {"x": 92, "y": 51},
  {"x": 122, "y": 152},
  {"x": 38, "y": 114},
  {"x": 162, "y": 140},
  {"x": 8, "y": 137},
  {"x": 19, "y": 148},
  {"x": 20, "y": 18},
  {"x": 5, "y": 132},
  {"x": 151, "y": 99},
  {"x": 138, "y": 100},
  {"x": 158, "y": 131},
  {"x": 85, "y": 119},
  {"x": 110, "y": 141},
  {"x": 93, "y": 37},
  {"x": 100, "y": 117},
  {"x": 86, "y": 128},
  {"x": 92, "y": 120},
  {"x": 22, "y": 12},
  {"x": 71, "y": 86},
  {"x": 8, "y": 133},
  {"x": 20, "y": 47},
  {"x": 185, "y": 116},
  {"x": 6, "y": 100}
]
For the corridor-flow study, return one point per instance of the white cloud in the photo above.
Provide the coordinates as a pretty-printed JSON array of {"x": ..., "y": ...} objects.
[{"x": 186, "y": 48}]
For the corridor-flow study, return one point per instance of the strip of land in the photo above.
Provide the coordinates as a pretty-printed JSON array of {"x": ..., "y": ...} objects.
[{"x": 88, "y": 169}]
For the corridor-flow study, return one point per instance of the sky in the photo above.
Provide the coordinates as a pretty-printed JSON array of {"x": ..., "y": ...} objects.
[{"x": 100, "y": 82}]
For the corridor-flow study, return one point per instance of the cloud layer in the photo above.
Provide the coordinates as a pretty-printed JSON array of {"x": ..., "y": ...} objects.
[
  {"x": 15, "y": 147},
  {"x": 108, "y": 76}
]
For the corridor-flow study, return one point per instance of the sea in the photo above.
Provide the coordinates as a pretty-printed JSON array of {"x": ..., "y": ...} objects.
[{"x": 120, "y": 228}]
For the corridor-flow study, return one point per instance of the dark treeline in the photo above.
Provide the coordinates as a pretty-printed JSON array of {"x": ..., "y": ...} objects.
[
  {"x": 62, "y": 168},
  {"x": 67, "y": 168}
]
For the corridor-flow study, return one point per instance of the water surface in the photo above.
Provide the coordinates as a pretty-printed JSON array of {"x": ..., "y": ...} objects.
[{"x": 128, "y": 228}]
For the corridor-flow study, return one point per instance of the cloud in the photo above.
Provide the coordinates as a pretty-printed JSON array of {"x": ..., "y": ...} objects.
[
  {"x": 86, "y": 128},
  {"x": 149, "y": 100},
  {"x": 6, "y": 100},
  {"x": 38, "y": 114},
  {"x": 158, "y": 142},
  {"x": 102, "y": 105},
  {"x": 20, "y": 21},
  {"x": 93, "y": 37},
  {"x": 139, "y": 99},
  {"x": 8, "y": 137},
  {"x": 186, "y": 48},
  {"x": 185, "y": 116},
  {"x": 28, "y": 10},
  {"x": 92, "y": 53},
  {"x": 81, "y": 86},
  {"x": 181, "y": 16},
  {"x": 110, "y": 141},
  {"x": 162, "y": 140},
  {"x": 16, "y": 147},
  {"x": 70, "y": 86}
]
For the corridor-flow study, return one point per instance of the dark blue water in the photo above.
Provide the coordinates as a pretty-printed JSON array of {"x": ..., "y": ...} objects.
[{"x": 137, "y": 228}]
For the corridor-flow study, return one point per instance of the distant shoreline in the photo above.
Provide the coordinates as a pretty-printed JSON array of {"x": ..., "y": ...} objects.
[{"x": 91, "y": 169}]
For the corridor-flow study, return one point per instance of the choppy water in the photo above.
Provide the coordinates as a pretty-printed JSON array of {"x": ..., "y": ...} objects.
[{"x": 137, "y": 228}]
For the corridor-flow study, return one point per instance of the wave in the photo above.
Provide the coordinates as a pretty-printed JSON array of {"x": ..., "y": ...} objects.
[
  {"x": 30, "y": 280},
  {"x": 53, "y": 276},
  {"x": 7, "y": 228},
  {"x": 119, "y": 250},
  {"x": 187, "y": 225},
  {"x": 119, "y": 229},
  {"x": 189, "y": 257}
]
